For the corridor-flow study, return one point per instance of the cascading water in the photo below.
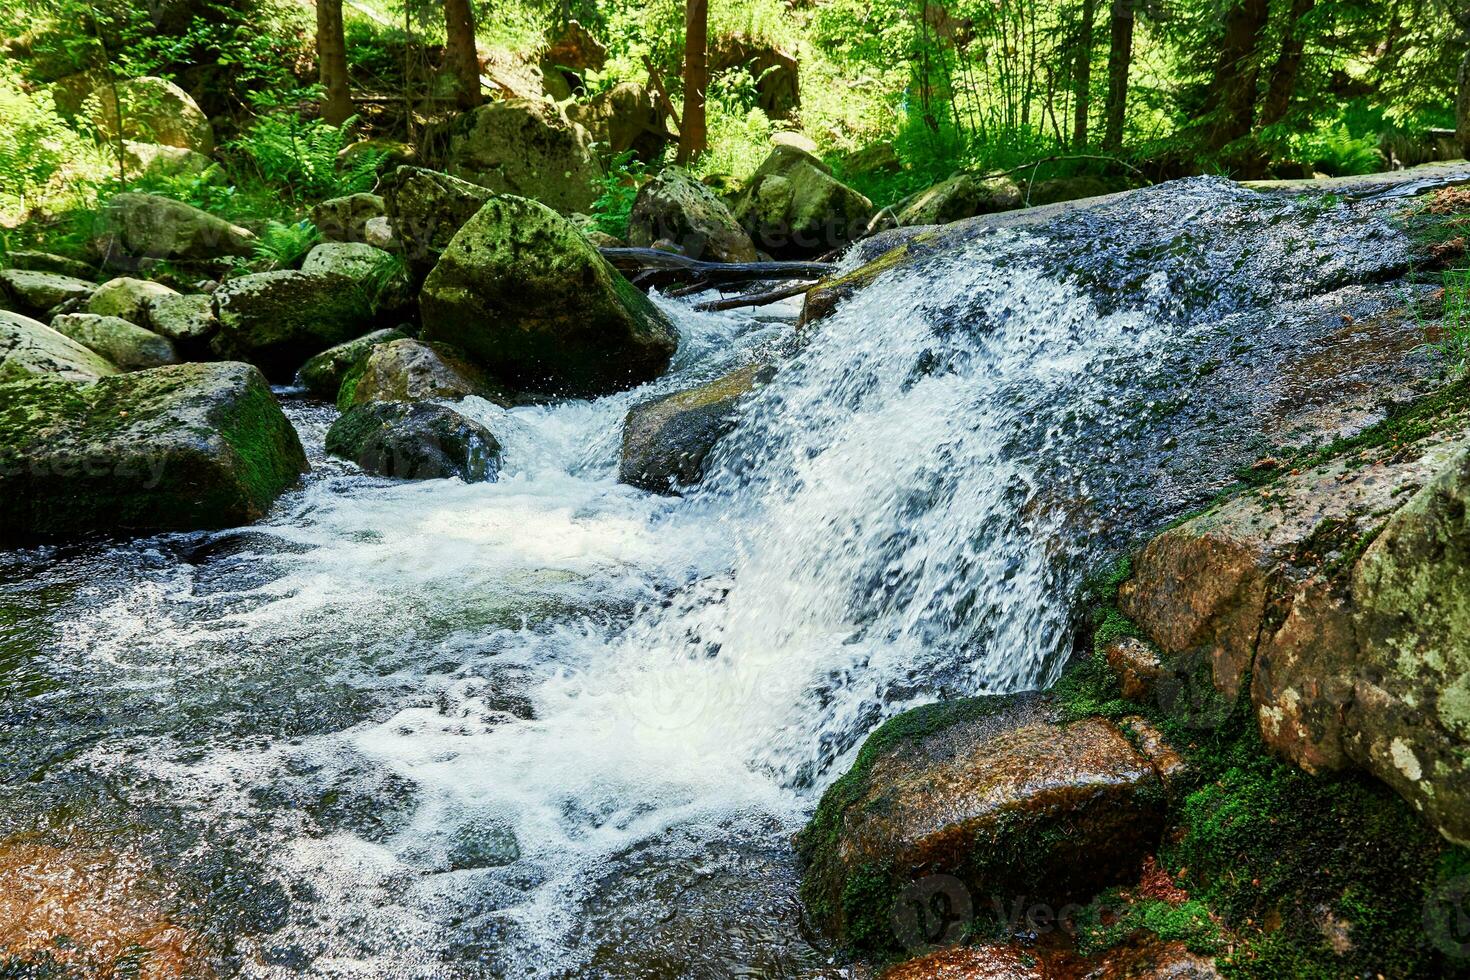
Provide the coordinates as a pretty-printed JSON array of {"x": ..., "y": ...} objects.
[{"x": 457, "y": 730}]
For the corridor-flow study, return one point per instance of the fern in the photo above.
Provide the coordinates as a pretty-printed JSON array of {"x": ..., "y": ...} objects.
[
  {"x": 302, "y": 156},
  {"x": 619, "y": 189},
  {"x": 281, "y": 246}
]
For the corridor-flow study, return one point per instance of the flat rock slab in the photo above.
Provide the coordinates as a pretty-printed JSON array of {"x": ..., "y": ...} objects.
[
  {"x": 185, "y": 447},
  {"x": 29, "y": 347}
]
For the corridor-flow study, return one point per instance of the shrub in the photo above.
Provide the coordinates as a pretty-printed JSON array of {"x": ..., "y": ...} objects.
[
  {"x": 619, "y": 189},
  {"x": 282, "y": 246},
  {"x": 300, "y": 156}
]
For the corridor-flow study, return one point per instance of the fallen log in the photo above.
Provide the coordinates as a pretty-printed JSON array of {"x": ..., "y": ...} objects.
[
  {"x": 754, "y": 299},
  {"x": 649, "y": 267}
]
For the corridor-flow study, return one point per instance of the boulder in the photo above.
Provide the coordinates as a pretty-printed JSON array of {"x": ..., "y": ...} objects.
[
  {"x": 39, "y": 292},
  {"x": 184, "y": 447},
  {"x": 33, "y": 261},
  {"x": 351, "y": 260},
  {"x": 276, "y": 320},
  {"x": 187, "y": 320},
  {"x": 793, "y": 206},
  {"x": 406, "y": 370},
  {"x": 575, "y": 48},
  {"x": 157, "y": 160},
  {"x": 667, "y": 441},
  {"x": 520, "y": 291},
  {"x": 154, "y": 227},
  {"x": 624, "y": 117},
  {"x": 1073, "y": 188},
  {"x": 30, "y": 348},
  {"x": 125, "y": 344},
  {"x": 1328, "y": 599},
  {"x": 875, "y": 158},
  {"x": 344, "y": 219},
  {"x": 426, "y": 208},
  {"x": 153, "y": 111},
  {"x": 378, "y": 232},
  {"x": 987, "y": 796},
  {"x": 528, "y": 148},
  {"x": 961, "y": 196},
  {"x": 675, "y": 206},
  {"x": 415, "y": 442},
  {"x": 776, "y": 73},
  {"x": 128, "y": 299},
  {"x": 322, "y": 375}
]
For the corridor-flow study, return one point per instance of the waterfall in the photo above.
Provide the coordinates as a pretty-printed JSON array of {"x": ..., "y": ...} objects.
[{"x": 584, "y": 679}]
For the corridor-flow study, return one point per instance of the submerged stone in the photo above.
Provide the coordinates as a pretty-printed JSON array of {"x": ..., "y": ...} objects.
[{"x": 184, "y": 447}]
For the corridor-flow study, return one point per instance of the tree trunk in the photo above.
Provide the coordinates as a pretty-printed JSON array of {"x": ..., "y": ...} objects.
[
  {"x": 460, "y": 55},
  {"x": 331, "y": 56},
  {"x": 1083, "y": 74},
  {"x": 1233, "y": 90},
  {"x": 1462, "y": 107},
  {"x": 1120, "y": 60},
  {"x": 692, "y": 139},
  {"x": 1284, "y": 73}
]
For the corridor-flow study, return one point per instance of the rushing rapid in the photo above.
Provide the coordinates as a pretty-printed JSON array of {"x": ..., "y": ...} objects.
[{"x": 439, "y": 729}]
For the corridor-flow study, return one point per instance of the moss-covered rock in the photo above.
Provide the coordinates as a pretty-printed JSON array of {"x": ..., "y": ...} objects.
[
  {"x": 128, "y": 299},
  {"x": 176, "y": 448},
  {"x": 276, "y": 320},
  {"x": 36, "y": 261},
  {"x": 344, "y": 219},
  {"x": 676, "y": 207},
  {"x": 961, "y": 196},
  {"x": 415, "y": 442},
  {"x": 125, "y": 344},
  {"x": 667, "y": 441},
  {"x": 322, "y": 375},
  {"x": 425, "y": 209},
  {"x": 351, "y": 260},
  {"x": 793, "y": 206},
  {"x": 149, "y": 226},
  {"x": 520, "y": 291},
  {"x": 152, "y": 110},
  {"x": 526, "y": 147},
  {"x": 186, "y": 319},
  {"x": 404, "y": 370},
  {"x": 156, "y": 160},
  {"x": 624, "y": 117},
  {"x": 990, "y": 791},
  {"x": 36, "y": 293},
  {"x": 29, "y": 348}
]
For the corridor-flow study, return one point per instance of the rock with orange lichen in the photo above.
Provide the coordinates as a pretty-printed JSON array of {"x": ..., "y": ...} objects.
[
  {"x": 92, "y": 913},
  {"x": 989, "y": 795}
]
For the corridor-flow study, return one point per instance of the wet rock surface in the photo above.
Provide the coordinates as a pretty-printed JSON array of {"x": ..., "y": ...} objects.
[
  {"x": 666, "y": 442},
  {"x": 322, "y": 375},
  {"x": 988, "y": 797},
  {"x": 405, "y": 370},
  {"x": 415, "y": 442},
  {"x": 176, "y": 448}
]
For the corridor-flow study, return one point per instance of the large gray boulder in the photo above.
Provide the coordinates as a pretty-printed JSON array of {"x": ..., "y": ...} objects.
[
  {"x": 415, "y": 442},
  {"x": 675, "y": 207},
  {"x": 154, "y": 227},
  {"x": 153, "y": 110},
  {"x": 426, "y": 208},
  {"x": 177, "y": 448},
  {"x": 127, "y": 298},
  {"x": 29, "y": 348},
  {"x": 276, "y": 320},
  {"x": 520, "y": 291},
  {"x": 125, "y": 344},
  {"x": 793, "y": 206},
  {"x": 38, "y": 292},
  {"x": 528, "y": 148},
  {"x": 322, "y": 375},
  {"x": 405, "y": 370},
  {"x": 667, "y": 441}
]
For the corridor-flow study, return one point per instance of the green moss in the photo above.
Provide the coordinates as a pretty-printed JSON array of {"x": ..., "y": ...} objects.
[
  {"x": 348, "y": 390},
  {"x": 1112, "y": 920}
]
